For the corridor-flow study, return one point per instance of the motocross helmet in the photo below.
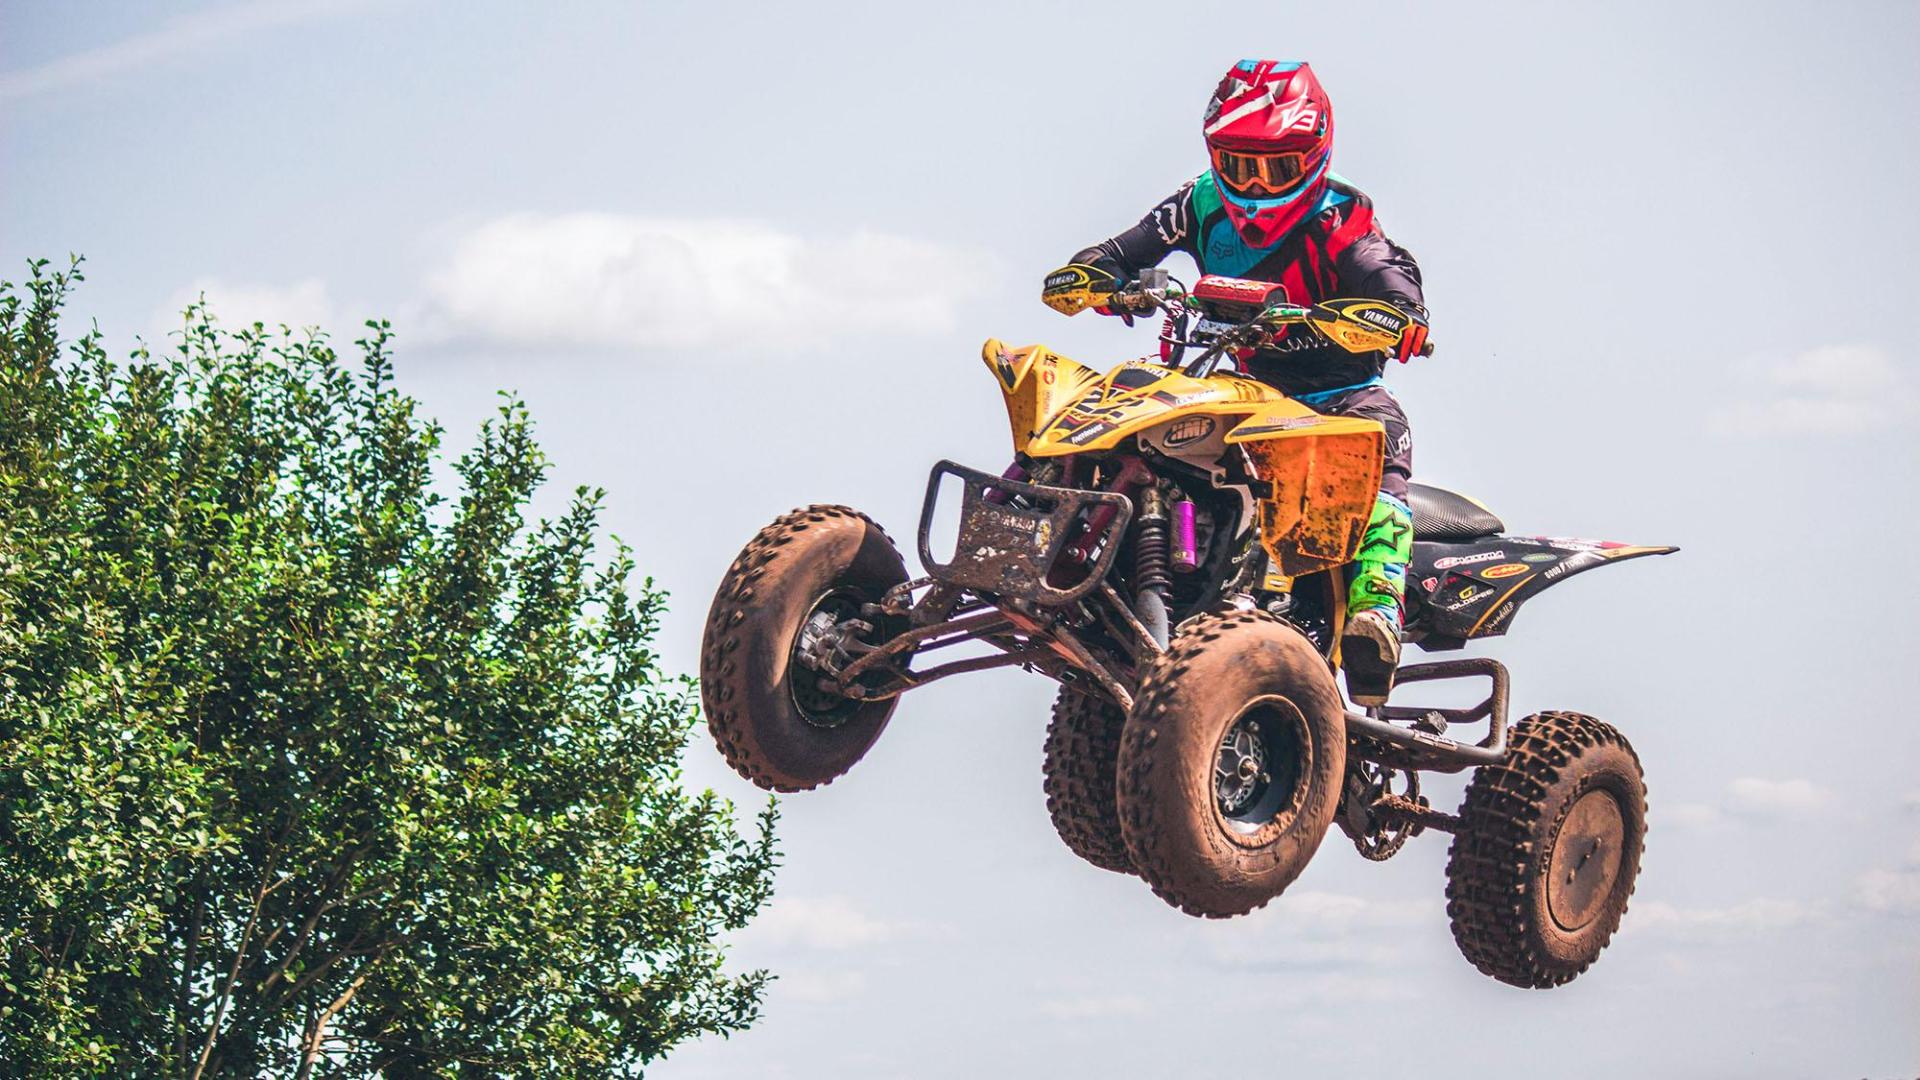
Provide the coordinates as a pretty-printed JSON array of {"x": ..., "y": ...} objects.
[{"x": 1269, "y": 135}]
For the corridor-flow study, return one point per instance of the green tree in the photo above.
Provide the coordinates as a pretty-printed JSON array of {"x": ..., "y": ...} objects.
[{"x": 304, "y": 770}]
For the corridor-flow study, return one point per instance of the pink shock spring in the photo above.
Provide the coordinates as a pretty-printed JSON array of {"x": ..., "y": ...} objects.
[{"x": 1186, "y": 554}]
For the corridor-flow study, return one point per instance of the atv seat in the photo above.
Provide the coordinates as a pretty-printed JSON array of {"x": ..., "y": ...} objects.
[{"x": 1439, "y": 514}]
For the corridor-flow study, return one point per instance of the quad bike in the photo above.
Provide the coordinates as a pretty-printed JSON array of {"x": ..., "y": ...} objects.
[{"x": 1170, "y": 547}]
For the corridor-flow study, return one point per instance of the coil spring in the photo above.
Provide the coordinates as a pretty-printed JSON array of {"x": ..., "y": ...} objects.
[{"x": 1150, "y": 557}]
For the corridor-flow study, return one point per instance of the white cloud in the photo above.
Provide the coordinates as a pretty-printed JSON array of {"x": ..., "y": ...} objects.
[
  {"x": 180, "y": 35},
  {"x": 1750, "y": 800},
  {"x": 1890, "y": 892},
  {"x": 820, "y": 987},
  {"x": 1338, "y": 914},
  {"x": 1320, "y": 930},
  {"x": 1749, "y": 918},
  {"x": 828, "y": 923},
  {"x": 1895, "y": 891},
  {"x": 299, "y": 305},
  {"x": 610, "y": 280},
  {"x": 1831, "y": 389},
  {"x": 1755, "y": 797},
  {"x": 1848, "y": 370},
  {"x": 1095, "y": 1007},
  {"x": 1692, "y": 816}
]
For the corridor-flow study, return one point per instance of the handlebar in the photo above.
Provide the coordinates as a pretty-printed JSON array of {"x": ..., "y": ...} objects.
[{"x": 1244, "y": 314}]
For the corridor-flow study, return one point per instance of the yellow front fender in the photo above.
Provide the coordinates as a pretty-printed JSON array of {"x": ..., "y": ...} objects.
[{"x": 1036, "y": 383}]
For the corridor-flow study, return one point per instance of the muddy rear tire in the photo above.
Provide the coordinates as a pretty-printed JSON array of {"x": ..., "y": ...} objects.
[
  {"x": 765, "y": 710},
  {"x": 1231, "y": 763},
  {"x": 1083, "y": 753},
  {"x": 1548, "y": 850}
]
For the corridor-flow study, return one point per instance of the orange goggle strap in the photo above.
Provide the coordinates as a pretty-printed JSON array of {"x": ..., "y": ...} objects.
[{"x": 1260, "y": 175}]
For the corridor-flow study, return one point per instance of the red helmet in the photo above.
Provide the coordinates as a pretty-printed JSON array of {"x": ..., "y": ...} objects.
[{"x": 1269, "y": 134}]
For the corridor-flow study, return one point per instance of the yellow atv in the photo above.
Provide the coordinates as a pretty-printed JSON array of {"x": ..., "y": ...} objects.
[{"x": 1169, "y": 546}]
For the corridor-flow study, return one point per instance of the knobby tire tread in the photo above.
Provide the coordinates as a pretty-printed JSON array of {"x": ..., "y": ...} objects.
[
  {"x": 1143, "y": 814},
  {"x": 721, "y": 640},
  {"x": 1082, "y": 757},
  {"x": 1491, "y": 877}
]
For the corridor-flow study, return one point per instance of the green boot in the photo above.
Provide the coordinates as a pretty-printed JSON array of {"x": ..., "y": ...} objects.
[{"x": 1370, "y": 645}]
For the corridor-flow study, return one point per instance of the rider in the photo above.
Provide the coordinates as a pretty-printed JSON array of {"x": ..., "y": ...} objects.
[{"x": 1268, "y": 209}]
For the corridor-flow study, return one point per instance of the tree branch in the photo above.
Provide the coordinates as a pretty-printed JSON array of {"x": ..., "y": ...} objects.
[
  {"x": 233, "y": 974},
  {"x": 185, "y": 1003},
  {"x": 317, "y": 1032}
]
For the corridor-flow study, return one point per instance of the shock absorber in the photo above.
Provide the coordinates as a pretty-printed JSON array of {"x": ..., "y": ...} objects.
[
  {"x": 1186, "y": 549},
  {"x": 1151, "y": 579},
  {"x": 1152, "y": 545}
]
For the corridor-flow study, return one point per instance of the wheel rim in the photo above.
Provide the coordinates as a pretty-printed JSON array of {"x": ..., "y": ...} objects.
[
  {"x": 819, "y": 706},
  {"x": 1587, "y": 851},
  {"x": 1258, "y": 769}
]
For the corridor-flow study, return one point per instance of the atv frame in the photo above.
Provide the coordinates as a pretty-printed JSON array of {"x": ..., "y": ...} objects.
[{"x": 1003, "y": 589}]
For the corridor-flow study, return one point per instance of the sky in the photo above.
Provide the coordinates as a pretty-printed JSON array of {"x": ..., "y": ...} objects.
[{"x": 740, "y": 258}]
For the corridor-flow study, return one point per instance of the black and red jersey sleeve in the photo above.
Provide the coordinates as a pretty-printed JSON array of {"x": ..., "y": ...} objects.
[
  {"x": 1375, "y": 267},
  {"x": 1167, "y": 228}
]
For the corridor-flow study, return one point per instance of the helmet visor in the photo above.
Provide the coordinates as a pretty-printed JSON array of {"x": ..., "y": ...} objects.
[{"x": 1260, "y": 176}]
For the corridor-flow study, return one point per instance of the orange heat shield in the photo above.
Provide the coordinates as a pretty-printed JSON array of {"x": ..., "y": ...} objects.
[{"x": 1324, "y": 478}]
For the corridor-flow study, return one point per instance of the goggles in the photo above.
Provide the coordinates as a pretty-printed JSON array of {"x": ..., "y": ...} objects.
[{"x": 1260, "y": 176}]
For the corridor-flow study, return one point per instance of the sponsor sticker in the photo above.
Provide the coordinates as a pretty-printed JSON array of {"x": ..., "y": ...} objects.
[
  {"x": 1539, "y": 556},
  {"x": 1192, "y": 429},
  {"x": 1216, "y": 287},
  {"x": 1382, "y": 318},
  {"x": 1504, "y": 570},
  {"x": 1003, "y": 366},
  {"x": 1577, "y": 562},
  {"x": 1462, "y": 560},
  {"x": 1574, "y": 543},
  {"x": 1500, "y": 617}
]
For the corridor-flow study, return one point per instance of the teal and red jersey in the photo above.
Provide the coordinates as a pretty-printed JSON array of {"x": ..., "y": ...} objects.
[{"x": 1338, "y": 251}]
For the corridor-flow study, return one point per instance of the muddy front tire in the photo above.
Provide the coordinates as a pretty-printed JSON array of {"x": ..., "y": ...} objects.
[
  {"x": 1547, "y": 851},
  {"x": 1231, "y": 764},
  {"x": 1083, "y": 751},
  {"x": 772, "y": 722}
]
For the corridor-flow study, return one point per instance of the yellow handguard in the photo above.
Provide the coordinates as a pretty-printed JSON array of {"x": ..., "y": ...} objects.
[
  {"x": 1076, "y": 287},
  {"x": 1360, "y": 325}
]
